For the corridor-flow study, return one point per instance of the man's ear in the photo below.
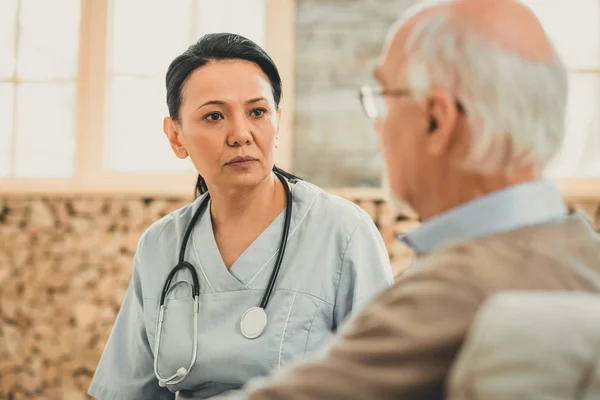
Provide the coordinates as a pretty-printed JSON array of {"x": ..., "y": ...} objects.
[
  {"x": 443, "y": 117},
  {"x": 173, "y": 131}
]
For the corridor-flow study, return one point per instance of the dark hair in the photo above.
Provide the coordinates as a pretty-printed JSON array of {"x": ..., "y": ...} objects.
[{"x": 213, "y": 47}]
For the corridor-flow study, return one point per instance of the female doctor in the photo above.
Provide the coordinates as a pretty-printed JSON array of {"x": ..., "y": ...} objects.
[{"x": 261, "y": 268}]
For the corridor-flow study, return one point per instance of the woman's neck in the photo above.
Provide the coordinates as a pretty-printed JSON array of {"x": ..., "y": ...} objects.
[{"x": 239, "y": 208}]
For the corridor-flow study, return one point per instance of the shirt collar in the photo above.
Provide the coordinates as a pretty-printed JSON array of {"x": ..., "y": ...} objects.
[{"x": 514, "y": 207}]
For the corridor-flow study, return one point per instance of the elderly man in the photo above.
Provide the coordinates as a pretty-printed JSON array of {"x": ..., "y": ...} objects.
[{"x": 471, "y": 108}]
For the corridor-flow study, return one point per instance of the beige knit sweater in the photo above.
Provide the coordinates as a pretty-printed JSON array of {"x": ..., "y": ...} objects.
[{"x": 403, "y": 343}]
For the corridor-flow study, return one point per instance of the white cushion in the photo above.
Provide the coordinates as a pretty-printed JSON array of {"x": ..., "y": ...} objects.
[{"x": 531, "y": 346}]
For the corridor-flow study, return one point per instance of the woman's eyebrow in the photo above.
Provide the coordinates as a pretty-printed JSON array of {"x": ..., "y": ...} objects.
[
  {"x": 256, "y": 100},
  {"x": 221, "y": 102},
  {"x": 218, "y": 102}
]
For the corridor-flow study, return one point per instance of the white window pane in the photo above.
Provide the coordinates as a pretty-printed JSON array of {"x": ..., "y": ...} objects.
[
  {"x": 134, "y": 140},
  {"x": 574, "y": 27},
  {"x": 45, "y": 131},
  {"x": 244, "y": 17},
  {"x": 6, "y": 128},
  {"x": 144, "y": 36},
  {"x": 580, "y": 153},
  {"x": 48, "y": 39},
  {"x": 8, "y": 19}
]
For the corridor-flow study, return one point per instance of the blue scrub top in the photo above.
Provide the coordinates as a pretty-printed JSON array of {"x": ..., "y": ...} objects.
[{"x": 334, "y": 262}]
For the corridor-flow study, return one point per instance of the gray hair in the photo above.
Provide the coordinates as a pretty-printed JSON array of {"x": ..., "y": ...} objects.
[{"x": 515, "y": 106}]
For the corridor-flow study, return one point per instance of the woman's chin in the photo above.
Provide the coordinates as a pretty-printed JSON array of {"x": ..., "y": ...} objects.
[{"x": 246, "y": 179}]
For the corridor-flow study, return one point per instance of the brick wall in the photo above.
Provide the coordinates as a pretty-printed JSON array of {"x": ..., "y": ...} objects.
[{"x": 337, "y": 45}]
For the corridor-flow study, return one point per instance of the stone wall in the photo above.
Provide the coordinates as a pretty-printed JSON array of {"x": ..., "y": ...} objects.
[
  {"x": 337, "y": 45},
  {"x": 64, "y": 267}
]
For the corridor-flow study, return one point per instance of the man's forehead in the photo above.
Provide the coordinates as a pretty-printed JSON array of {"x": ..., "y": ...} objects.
[
  {"x": 385, "y": 71},
  {"x": 392, "y": 57},
  {"x": 507, "y": 23},
  {"x": 407, "y": 21},
  {"x": 394, "y": 51}
]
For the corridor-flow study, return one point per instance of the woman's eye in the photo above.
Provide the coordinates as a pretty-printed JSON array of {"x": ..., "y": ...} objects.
[
  {"x": 213, "y": 116},
  {"x": 259, "y": 112}
]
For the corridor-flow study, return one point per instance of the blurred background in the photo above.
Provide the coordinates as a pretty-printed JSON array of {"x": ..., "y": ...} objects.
[{"x": 85, "y": 167}]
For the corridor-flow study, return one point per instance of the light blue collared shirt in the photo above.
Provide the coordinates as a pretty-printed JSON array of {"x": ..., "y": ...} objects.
[{"x": 514, "y": 207}]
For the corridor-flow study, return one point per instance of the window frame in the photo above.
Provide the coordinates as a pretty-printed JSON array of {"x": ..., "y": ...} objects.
[{"x": 89, "y": 176}]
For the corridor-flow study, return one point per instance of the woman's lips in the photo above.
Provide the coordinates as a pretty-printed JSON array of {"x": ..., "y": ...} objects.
[{"x": 241, "y": 163}]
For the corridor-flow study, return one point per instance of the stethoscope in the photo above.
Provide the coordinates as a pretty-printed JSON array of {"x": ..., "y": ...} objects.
[{"x": 253, "y": 321}]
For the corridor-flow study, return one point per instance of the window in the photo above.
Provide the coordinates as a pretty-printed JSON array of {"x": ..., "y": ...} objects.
[
  {"x": 82, "y": 93},
  {"x": 137, "y": 61},
  {"x": 38, "y": 73},
  {"x": 574, "y": 27}
]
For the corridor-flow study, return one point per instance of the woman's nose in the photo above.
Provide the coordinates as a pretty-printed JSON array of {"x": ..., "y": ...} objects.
[{"x": 241, "y": 132}]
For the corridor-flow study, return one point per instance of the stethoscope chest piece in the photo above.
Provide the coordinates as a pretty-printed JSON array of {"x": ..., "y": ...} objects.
[{"x": 253, "y": 322}]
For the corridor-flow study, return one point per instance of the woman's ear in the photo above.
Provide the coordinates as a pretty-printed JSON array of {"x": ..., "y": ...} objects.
[
  {"x": 173, "y": 131},
  {"x": 279, "y": 114}
]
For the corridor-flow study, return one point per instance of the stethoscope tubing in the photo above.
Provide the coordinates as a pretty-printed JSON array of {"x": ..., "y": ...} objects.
[{"x": 182, "y": 373}]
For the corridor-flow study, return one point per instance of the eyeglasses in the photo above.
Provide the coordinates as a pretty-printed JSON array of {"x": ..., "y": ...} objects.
[
  {"x": 372, "y": 99},
  {"x": 373, "y": 103}
]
